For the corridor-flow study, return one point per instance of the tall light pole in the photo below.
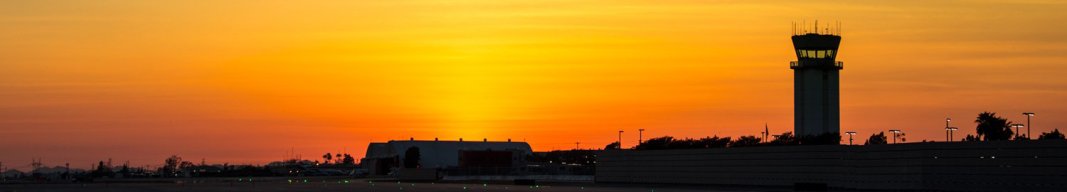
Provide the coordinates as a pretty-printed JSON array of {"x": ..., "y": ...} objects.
[
  {"x": 952, "y": 131},
  {"x": 1028, "y": 115},
  {"x": 850, "y": 134},
  {"x": 639, "y": 139},
  {"x": 947, "y": 136},
  {"x": 1017, "y": 126},
  {"x": 620, "y": 139},
  {"x": 895, "y": 132}
]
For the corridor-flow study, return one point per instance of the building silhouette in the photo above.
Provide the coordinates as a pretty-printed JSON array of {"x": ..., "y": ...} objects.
[
  {"x": 816, "y": 101},
  {"x": 393, "y": 157}
]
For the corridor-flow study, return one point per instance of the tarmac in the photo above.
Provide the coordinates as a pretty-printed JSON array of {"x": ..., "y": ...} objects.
[{"x": 342, "y": 184}]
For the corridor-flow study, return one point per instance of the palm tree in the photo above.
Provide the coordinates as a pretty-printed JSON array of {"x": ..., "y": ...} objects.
[{"x": 993, "y": 128}]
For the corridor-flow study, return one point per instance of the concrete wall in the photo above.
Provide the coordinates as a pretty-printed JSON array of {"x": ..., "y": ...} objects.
[{"x": 969, "y": 166}]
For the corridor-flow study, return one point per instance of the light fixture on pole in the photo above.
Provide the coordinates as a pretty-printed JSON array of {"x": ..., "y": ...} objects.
[
  {"x": 1028, "y": 115},
  {"x": 896, "y": 133},
  {"x": 1017, "y": 126},
  {"x": 952, "y": 131},
  {"x": 850, "y": 134},
  {"x": 947, "y": 137}
]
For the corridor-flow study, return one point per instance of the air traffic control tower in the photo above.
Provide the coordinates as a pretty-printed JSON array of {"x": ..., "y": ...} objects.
[{"x": 816, "y": 102}]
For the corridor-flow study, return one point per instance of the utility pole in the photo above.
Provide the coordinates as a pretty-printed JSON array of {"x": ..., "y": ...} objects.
[
  {"x": 620, "y": 139},
  {"x": 576, "y": 145}
]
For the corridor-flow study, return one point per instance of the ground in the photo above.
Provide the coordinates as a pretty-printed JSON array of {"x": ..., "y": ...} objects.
[{"x": 355, "y": 185}]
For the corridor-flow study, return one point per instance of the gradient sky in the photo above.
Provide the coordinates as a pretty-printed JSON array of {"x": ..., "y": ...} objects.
[{"x": 245, "y": 81}]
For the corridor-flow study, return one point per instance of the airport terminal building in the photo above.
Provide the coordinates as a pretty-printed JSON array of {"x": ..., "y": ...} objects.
[{"x": 385, "y": 159}]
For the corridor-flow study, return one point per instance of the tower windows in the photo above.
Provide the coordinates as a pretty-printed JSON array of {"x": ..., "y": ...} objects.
[{"x": 815, "y": 54}]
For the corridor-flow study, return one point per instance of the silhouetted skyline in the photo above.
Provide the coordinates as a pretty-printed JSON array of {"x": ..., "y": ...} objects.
[{"x": 249, "y": 82}]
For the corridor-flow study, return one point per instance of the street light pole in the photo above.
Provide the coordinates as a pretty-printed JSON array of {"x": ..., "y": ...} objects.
[
  {"x": 639, "y": 137},
  {"x": 1017, "y": 126},
  {"x": 620, "y": 139},
  {"x": 947, "y": 136},
  {"x": 1028, "y": 115},
  {"x": 850, "y": 134},
  {"x": 952, "y": 131},
  {"x": 895, "y": 133}
]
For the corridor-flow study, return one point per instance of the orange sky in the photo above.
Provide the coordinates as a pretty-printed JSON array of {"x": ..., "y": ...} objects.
[{"x": 245, "y": 81}]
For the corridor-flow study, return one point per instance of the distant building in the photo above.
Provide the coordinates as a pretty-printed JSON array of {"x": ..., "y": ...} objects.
[
  {"x": 816, "y": 101},
  {"x": 385, "y": 158}
]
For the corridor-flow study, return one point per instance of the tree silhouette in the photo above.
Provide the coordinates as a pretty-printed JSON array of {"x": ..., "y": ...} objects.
[
  {"x": 348, "y": 160},
  {"x": 102, "y": 170},
  {"x": 877, "y": 139},
  {"x": 993, "y": 128},
  {"x": 745, "y": 141},
  {"x": 654, "y": 143},
  {"x": 612, "y": 146},
  {"x": 712, "y": 142},
  {"x": 971, "y": 138},
  {"x": 326, "y": 158},
  {"x": 668, "y": 142},
  {"x": 170, "y": 165},
  {"x": 186, "y": 165},
  {"x": 786, "y": 138},
  {"x": 1052, "y": 135},
  {"x": 411, "y": 158}
]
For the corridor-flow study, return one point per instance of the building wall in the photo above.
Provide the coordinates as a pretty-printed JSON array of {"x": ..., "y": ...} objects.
[
  {"x": 971, "y": 166},
  {"x": 816, "y": 100}
]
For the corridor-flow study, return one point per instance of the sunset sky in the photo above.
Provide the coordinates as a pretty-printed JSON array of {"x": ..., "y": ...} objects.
[{"x": 245, "y": 81}]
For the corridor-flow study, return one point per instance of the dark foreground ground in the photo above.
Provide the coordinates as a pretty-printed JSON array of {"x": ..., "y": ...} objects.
[{"x": 357, "y": 185}]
